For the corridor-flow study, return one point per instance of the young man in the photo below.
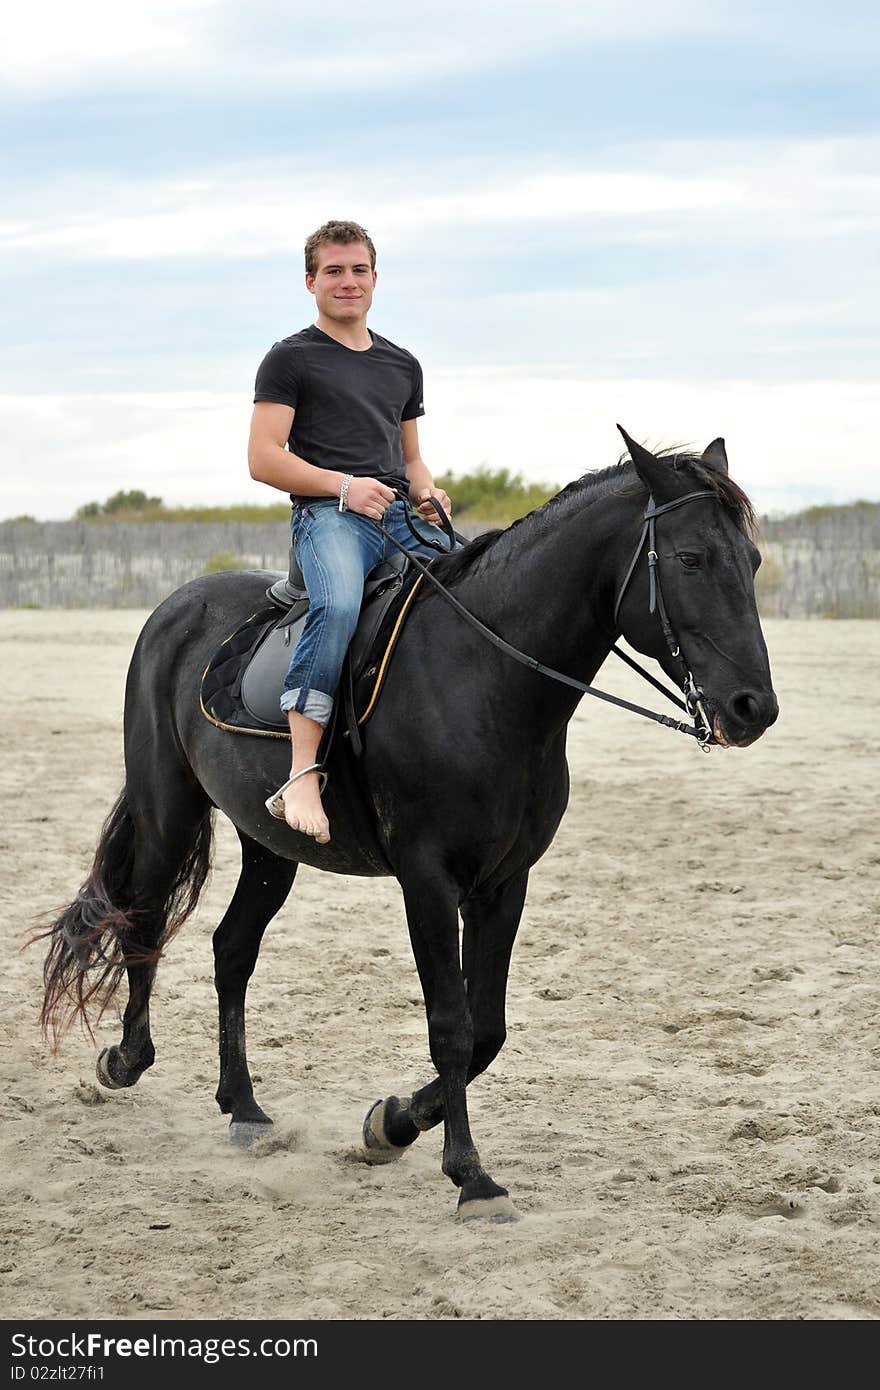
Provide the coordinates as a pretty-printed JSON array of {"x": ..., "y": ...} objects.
[{"x": 346, "y": 403}]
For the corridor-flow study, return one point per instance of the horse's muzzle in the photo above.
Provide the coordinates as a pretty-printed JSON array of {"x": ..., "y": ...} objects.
[{"x": 744, "y": 716}]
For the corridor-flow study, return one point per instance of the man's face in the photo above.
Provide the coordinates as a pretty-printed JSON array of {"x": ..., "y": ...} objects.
[{"x": 344, "y": 281}]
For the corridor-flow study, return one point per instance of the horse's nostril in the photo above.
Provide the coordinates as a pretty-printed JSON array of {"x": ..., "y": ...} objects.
[{"x": 746, "y": 707}]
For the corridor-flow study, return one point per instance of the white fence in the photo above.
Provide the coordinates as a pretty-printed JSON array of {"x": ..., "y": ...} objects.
[
  {"x": 830, "y": 568},
  {"x": 88, "y": 564}
]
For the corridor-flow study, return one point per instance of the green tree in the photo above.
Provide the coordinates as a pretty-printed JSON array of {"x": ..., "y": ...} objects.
[
  {"x": 494, "y": 495},
  {"x": 132, "y": 501}
]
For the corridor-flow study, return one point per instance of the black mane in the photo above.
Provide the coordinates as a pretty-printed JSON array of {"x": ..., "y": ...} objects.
[{"x": 620, "y": 478}]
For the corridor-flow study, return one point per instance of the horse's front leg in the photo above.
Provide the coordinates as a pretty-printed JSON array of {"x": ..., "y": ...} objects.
[
  {"x": 432, "y": 916},
  {"x": 491, "y": 922}
]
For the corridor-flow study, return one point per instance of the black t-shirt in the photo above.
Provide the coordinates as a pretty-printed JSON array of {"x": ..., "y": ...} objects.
[{"x": 349, "y": 405}]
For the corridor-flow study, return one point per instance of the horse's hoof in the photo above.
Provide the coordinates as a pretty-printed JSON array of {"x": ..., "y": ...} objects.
[
  {"x": 105, "y": 1076},
  {"x": 481, "y": 1199},
  {"x": 377, "y": 1148},
  {"x": 244, "y": 1133},
  {"x": 499, "y": 1210}
]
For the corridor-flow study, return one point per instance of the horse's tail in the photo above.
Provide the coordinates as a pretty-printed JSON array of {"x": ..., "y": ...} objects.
[{"x": 103, "y": 931}]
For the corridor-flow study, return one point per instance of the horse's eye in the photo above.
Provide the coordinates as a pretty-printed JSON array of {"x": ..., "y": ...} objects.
[{"x": 689, "y": 559}]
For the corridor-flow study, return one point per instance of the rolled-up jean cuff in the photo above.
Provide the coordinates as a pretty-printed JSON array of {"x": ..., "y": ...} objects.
[{"x": 316, "y": 705}]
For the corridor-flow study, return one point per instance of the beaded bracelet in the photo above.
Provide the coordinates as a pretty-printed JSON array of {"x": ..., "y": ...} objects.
[{"x": 343, "y": 492}]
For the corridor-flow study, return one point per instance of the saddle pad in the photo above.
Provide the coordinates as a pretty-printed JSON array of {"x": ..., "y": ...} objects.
[
  {"x": 242, "y": 683},
  {"x": 220, "y": 693}
]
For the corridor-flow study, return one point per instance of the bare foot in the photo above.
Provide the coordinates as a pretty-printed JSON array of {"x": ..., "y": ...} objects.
[{"x": 303, "y": 810}]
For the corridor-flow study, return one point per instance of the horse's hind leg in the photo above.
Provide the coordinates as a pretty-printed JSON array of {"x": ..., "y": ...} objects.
[
  {"x": 490, "y": 926},
  {"x": 123, "y": 1065},
  {"x": 262, "y": 889},
  {"x": 171, "y": 852}
]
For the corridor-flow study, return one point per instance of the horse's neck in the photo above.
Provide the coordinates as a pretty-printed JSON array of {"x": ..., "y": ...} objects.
[{"x": 547, "y": 586}]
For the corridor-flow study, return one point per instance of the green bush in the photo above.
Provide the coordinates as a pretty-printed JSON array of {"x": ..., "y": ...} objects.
[
  {"x": 154, "y": 509},
  {"x": 484, "y": 495},
  {"x": 121, "y": 504},
  {"x": 222, "y": 560},
  {"x": 853, "y": 608},
  {"x": 244, "y": 511},
  {"x": 831, "y": 510},
  {"x": 493, "y": 495}
]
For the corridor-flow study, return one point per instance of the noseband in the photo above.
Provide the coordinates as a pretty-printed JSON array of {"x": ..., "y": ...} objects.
[{"x": 693, "y": 694}]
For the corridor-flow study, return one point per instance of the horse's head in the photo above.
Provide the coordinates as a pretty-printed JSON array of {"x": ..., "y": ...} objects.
[{"x": 687, "y": 597}]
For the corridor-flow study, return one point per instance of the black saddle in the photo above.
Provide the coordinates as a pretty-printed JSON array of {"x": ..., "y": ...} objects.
[
  {"x": 291, "y": 587},
  {"x": 242, "y": 685}
]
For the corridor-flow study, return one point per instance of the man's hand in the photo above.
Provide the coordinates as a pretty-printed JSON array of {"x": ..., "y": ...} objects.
[
  {"x": 424, "y": 508},
  {"x": 369, "y": 497}
]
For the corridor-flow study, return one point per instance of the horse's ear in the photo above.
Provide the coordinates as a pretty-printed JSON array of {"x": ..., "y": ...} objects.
[
  {"x": 715, "y": 455},
  {"x": 657, "y": 476}
]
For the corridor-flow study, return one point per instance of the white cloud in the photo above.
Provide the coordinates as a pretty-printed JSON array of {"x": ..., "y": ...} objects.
[
  {"x": 772, "y": 191},
  {"x": 59, "y": 47},
  {"x": 817, "y": 313},
  {"x": 240, "y": 217},
  {"x": 53, "y": 47},
  {"x": 789, "y": 445},
  {"x": 186, "y": 447}
]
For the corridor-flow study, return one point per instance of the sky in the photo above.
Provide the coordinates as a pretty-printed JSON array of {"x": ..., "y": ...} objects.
[{"x": 658, "y": 212}]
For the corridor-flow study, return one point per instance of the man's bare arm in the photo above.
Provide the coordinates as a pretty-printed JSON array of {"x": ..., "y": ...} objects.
[
  {"x": 421, "y": 483},
  {"x": 269, "y": 462}
]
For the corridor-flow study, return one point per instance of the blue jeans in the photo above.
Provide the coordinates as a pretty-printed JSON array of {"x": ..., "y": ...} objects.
[{"x": 336, "y": 551}]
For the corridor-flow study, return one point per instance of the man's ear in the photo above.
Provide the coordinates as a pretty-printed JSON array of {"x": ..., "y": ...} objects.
[{"x": 656, "y": 474}]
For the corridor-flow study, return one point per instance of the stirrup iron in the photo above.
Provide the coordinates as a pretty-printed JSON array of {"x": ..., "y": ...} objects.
[{"x": 275, "y": 804}]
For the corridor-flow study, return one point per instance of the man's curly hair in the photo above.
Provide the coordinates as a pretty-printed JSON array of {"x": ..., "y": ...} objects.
[{"x": 340, "y": 233}]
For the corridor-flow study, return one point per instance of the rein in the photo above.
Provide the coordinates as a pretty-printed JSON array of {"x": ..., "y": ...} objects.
[{"x": 693, "y": 701}]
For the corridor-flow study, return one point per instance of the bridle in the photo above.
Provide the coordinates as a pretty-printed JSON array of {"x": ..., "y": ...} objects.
[{"x": 693, "y": 695}]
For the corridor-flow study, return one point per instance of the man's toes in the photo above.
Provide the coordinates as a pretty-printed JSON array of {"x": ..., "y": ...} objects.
[{"x": 319, "y": 829}]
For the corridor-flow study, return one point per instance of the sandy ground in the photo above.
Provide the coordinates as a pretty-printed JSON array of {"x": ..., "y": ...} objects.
[{"x": 687, "y": 1111}]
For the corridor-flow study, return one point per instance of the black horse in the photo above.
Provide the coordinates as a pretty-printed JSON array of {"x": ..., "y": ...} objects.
[{"x": 459, "y": 824}]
